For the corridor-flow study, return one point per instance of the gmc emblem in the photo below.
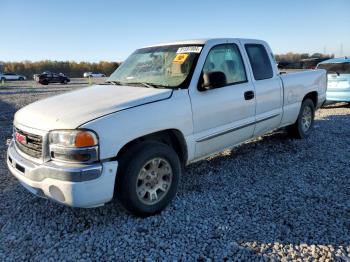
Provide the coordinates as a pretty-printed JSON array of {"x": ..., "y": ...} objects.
[{"x": 21, "y": 138}]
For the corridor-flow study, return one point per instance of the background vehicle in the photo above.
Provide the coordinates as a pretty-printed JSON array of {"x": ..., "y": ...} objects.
[
  {"x": 338, "y": 75},
  {"x": 91, "y": 74},
  {"x": 11, "y": 76},
  {"x": 48, "y": 78},
  {"x": 311, "y": 63},
  {"x": 36, "y": 77},
  {"x": 166, "y": 106}
]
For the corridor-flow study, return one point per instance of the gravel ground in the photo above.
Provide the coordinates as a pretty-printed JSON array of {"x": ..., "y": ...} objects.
[{"x": 270, "y": 199}]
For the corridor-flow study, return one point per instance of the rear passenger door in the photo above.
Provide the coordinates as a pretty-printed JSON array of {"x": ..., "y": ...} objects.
[
  {"x": 49, "y": 77},
  {"x": 268, "y": 86},
  {"x": 224, "y": 116},
  {"x": 55, "y": 78}
]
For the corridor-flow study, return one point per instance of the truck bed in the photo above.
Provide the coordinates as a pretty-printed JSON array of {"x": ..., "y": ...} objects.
[{"x": 296, "y": 85}]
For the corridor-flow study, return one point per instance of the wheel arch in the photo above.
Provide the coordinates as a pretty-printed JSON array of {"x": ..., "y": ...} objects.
[
  {"x": 171, "y": 137},
  {"x": 313, "y": 96}
]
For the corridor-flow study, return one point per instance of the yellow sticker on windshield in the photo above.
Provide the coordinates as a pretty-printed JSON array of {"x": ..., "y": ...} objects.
[{"x": 180, "y": 59}]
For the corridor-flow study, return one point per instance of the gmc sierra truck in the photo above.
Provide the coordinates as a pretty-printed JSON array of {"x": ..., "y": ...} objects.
[{"x": 166, "y": 106}]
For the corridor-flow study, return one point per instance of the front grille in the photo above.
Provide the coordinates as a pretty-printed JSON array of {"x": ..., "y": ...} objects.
[{"x": 33, "y": 146}]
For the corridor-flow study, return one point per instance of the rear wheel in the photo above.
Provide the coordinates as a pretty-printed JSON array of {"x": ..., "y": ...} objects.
[
  {"x": 64, "y": 82},
  {"x": 21, "y": 79},
  {"x": 304, "y": 124},
  {"x": 148, "y": 176},
  {"x": 45, "y": 82}
]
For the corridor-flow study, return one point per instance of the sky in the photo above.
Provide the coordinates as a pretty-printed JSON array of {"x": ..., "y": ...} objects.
[{"x": 86, "y": 30}]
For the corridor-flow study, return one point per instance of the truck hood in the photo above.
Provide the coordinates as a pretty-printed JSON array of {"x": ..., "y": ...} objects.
[{"x": 71, "y": 110}]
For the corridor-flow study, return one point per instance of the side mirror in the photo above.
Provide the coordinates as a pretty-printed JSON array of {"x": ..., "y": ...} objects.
[{"x": 213, "y": 80}]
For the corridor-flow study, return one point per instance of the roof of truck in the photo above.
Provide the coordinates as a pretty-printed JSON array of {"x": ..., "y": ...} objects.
[{"x": 198, "y": 41}]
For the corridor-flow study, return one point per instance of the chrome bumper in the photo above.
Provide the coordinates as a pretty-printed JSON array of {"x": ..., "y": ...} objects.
[
  {"x": 74, "y": 185},
  {"x": 37, "y": 172}
]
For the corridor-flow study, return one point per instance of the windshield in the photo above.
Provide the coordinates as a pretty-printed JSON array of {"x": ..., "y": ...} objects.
[
  {"x": 340, "y": 68},
  {"x": 160, "y": 66}
]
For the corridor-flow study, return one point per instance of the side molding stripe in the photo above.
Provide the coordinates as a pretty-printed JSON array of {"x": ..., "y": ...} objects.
[{"x": 234, "y": 129}]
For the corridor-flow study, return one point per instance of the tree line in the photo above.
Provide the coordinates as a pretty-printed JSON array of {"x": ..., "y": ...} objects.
[
  {"x": 70, "y": 68},
  {"x": 75, "y": 69},
  {"x": 297, "y": 57}
]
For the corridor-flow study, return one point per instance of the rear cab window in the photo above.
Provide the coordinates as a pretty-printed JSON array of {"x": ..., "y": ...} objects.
[{"x": 259, "y": 61}]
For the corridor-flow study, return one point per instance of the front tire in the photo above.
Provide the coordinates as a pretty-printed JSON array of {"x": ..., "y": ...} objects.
[
  {"x": 148, "y": 176},
  {"x": 305, "y": 122}
]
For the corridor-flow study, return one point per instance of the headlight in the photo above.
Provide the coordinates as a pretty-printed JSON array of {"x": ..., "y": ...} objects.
[
  {"x": 73, "y": 138},
  {"x": 73, "y": 145}
]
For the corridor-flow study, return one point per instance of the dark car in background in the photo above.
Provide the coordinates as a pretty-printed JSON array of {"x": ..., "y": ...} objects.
[
  {"x": 308, "y": 63},
  {"x": 311, "y": 63},
  {"x": 49, "y": 77}
]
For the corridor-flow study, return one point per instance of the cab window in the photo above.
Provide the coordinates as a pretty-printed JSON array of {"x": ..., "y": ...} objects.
[
  {"x": 260, "y": 61},
  {"x": 227, "y": 59}
]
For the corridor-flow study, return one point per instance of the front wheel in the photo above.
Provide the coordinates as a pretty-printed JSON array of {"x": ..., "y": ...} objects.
[
  {"x": 304, "y": 124},
  {"x": 148, "y": 176}
]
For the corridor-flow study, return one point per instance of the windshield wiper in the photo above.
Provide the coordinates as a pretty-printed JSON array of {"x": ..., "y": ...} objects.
[
  {"x": 149, "y": 85},
  {"x": 116, "y": 83},
  {"x": 141, "y": 83}
]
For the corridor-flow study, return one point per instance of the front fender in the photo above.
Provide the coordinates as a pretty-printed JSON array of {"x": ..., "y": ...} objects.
[{"x": 117, "y": 129}]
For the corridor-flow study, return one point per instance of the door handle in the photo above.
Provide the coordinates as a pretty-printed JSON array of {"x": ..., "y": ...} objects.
[{"x": 248, "y": 95}]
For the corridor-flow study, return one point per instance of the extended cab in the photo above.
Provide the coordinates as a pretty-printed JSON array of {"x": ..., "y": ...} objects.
[{"x": 166, "y": 106}]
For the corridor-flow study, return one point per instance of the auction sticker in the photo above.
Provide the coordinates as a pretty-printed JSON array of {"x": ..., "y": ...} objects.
[
  {"x": 180, "y": 59},
  {"x": 189, "y": 49}
]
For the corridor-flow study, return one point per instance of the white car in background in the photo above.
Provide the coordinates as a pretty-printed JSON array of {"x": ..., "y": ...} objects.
[
  {"x": 11, "y": 76},
  {"x": 91, "y": 74}
]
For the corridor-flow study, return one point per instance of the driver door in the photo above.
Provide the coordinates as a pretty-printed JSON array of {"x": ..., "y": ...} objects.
[{"x": 223, "y": 116}]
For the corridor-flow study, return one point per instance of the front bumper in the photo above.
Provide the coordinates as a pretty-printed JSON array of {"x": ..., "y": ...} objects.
[{"x": 73, "y": 185}]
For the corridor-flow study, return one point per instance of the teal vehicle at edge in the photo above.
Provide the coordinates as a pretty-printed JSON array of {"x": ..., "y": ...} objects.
[{"x": 338, "y": 76}]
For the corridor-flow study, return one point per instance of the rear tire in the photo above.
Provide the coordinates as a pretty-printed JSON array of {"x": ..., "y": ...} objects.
[
  {"x": 304, "y": 124},
  {"x": 147, "y": 179},
  {"x": 21, "y": 79}
]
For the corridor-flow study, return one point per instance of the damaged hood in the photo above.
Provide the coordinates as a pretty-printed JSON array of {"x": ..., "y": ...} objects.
[{"x": 71, "y": 110}]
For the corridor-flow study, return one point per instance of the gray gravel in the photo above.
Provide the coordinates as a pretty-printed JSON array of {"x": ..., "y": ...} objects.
[{"x": 271, "y": 199}]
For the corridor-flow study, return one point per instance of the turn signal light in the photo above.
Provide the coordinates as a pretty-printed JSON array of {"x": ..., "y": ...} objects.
[{"x": 84, "y": 139}]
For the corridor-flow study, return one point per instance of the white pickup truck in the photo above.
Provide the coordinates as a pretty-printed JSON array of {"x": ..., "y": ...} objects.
[{"x": 166, "y": 106}]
